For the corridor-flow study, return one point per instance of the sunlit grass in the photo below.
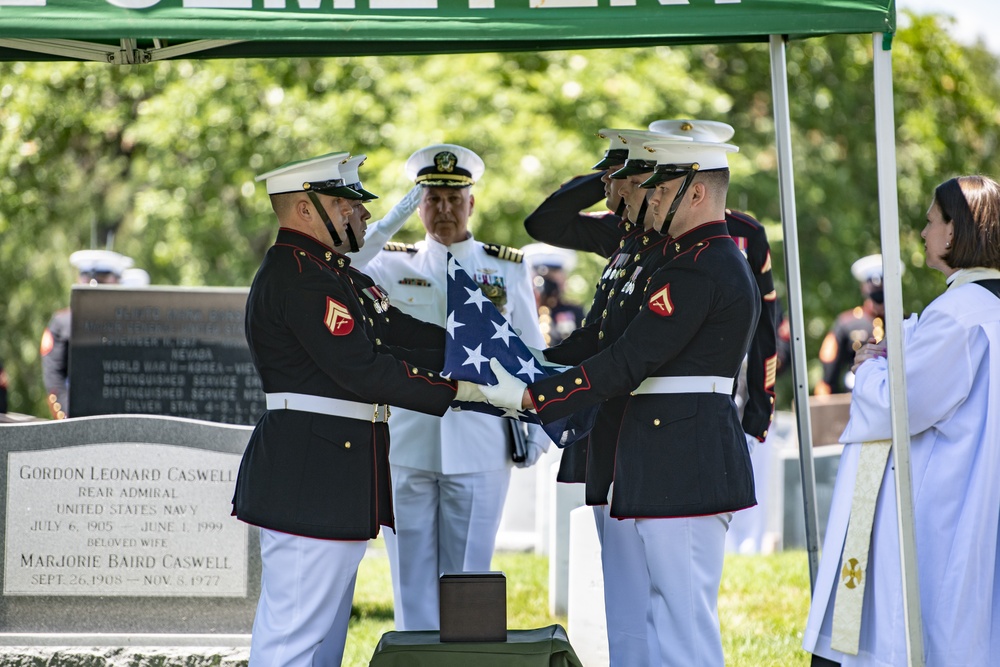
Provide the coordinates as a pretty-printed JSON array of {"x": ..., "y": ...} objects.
[{"x": 762, "y": 605}]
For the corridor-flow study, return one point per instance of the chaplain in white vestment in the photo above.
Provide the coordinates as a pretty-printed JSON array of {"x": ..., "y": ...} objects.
[{"x": 952, "y": 367}]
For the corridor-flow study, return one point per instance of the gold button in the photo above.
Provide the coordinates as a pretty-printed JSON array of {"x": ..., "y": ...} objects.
[
  {"x": 60, "y": 415},
  {"x": 638, "y": 256},
  {"x": 56, "y": 406},
  {"x": 764, "y": 434},
  {"x": 559, "y": 389},
  {"x": 600, "y": 336},
  {"x": 621, "y": 244},
  {"x": 387, "y": 320},
  {"x": 611, "y": 293},
  {"x": 371, "y": 321},
  {"x": 621, "y": 303},
  {"x": 772, "y": 400},
  {"x": 340, "y": 263},
  {"x": 414, "y": 370},
  {"x": 301, "y": 254},
  {"x": 347, "y": 445},
  {"x": 621, "y": 274},
  {"x": 656, "y": 422},
  {"x": 430, "y": 374},
  {"x": 578, "y": 381},
  {"x": 52, "y": 398},
  {"x": 605, "y": 313},
  {"x": 378, "y": 341},
  {"x": 361, "y": 301},
  {"x": 541, "y": 398}
]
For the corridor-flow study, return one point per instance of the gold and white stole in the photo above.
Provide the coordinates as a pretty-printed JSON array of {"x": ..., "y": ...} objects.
[{"x": 850, "y": 590}]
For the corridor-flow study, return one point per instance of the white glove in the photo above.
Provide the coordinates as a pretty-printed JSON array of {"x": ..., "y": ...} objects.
[
  {"x": 470, "y": 392},
  {"x": 508, "y": 392},
  {"x": 538, "y": 444},
  {"x": 379, "y": 232}
]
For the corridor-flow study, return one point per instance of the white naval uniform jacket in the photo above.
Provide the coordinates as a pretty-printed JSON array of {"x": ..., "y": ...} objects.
[
  {"x": 459, "y": 442},
  {"x": 952, "y": 365}
]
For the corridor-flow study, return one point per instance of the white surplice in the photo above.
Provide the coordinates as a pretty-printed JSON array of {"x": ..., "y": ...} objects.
[{"x": 952, "y": 355}]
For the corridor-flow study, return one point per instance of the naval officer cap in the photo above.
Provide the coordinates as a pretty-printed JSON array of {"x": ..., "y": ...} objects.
[
  {"x": 674, "y": 159},
  {"x": 319, "y": 174},
  {"x": 698, "y": 130},
  {"x": 349, "y": 172},
  {"x": 639, "y": 160},
  {"x": 617, "y": 151},
  {"x": 100, "y": 261},
  {"x": 445, "y": 166}
]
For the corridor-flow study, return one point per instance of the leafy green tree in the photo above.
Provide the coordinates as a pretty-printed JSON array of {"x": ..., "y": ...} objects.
[{"x": 160, "y": 159}]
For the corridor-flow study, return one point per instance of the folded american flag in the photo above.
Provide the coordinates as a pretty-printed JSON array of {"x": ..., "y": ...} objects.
[{"x": 477, "y": 332}]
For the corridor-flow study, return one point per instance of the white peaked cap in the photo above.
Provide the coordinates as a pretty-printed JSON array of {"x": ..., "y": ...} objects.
[
  {"x": 708, "y": 155},
  {"x": 445, "y": 165},
  {"x": 868, "y": 269},
  {"x": 100, "y": 261},
  {"x": 698, "y": 130},
  {"x": 543, "y": 254},
  {"x": 293, "y": 176},
  {"x": 635, "y": 139}
]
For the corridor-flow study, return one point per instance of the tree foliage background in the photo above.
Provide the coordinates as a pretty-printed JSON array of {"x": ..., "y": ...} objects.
[{"x": 160, "y": 159}]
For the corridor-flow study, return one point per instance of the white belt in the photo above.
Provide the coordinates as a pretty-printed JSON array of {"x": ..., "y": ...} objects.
[
  {"x": 369, "y": 412},
  {"x": 686, "y": 384}
]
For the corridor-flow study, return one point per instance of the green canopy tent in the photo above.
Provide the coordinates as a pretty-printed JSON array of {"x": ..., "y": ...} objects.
[{"x": 142, "y": 31}]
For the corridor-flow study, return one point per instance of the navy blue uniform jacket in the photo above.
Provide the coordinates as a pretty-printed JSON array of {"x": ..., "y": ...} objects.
[
  {"x": 677, "y": 454},
  {"x": 316, "y": 326}
]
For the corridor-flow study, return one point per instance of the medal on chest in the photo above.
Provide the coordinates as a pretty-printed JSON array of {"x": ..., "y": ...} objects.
[
  {"x": 629, "y": 286},
  {"x": 378, "y": 297},
  {"x": 493, "y": 287}
]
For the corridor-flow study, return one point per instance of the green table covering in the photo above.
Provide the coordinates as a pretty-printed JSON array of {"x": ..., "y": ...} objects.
[{"x": 542, "y": 647}]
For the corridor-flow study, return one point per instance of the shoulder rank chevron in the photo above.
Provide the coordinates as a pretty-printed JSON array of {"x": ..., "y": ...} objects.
[{"x": 504, "y": 252}]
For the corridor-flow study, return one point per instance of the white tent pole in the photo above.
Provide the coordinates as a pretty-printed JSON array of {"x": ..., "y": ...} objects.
[
  {"x": 885, "y": 141},
  {"x": 789, "y": 226}
]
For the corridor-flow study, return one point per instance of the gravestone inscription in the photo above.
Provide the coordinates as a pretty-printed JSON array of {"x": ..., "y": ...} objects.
[
  {"x": 171, "y": 351},
  {"x": 122, "y": 524}
]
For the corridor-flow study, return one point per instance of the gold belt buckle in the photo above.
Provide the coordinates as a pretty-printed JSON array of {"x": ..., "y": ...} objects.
[{"x": 375, "y": 413}]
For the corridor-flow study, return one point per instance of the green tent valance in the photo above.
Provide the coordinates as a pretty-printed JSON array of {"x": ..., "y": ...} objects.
[{"x": 144, "y": 30}]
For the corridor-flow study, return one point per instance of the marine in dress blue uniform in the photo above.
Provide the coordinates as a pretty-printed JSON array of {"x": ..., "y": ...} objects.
[
  {"x": 852, "y": 329},
  {"x": 331, "y": 352},
  {"x": 681, "y": 464}
]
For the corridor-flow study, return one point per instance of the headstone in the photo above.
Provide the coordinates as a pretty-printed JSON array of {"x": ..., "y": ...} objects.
[
  {"x": 588, "y": 627},
  {"x": 566, "y": 498},
  {"x": 826, "y": 460},
  {"x": 118, "y": 528},
  {"x": 171, "y": 351}
]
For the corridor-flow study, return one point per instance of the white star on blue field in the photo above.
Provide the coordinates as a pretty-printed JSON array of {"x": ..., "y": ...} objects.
[{"x": 477, "y": 332}]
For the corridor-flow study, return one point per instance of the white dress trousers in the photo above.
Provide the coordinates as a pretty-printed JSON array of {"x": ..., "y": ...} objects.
[
  {"x": 685, "y": 557},
  {"x": 631, "y": 635},
  {"x": 306, "y": 590},
  {"x": 444, "y": 523}
]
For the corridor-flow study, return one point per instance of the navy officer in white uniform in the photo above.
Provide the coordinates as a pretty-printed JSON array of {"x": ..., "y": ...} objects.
[{"x": 450, "y": 476}]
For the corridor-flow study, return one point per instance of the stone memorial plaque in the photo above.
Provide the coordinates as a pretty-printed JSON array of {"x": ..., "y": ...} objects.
[
  {"x": 123, "y": 519},
  {"x": 117, "y": 529},
  {"x": 157, "y": 350}
]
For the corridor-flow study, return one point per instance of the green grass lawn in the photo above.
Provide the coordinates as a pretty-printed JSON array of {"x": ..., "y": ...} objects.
[{"x": 762, "y": 605}]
